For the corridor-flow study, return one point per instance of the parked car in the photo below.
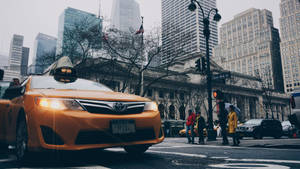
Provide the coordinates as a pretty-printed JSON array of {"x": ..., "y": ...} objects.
[
  {"x": 288, "y": 129},
  {"x": 259, "y": 128}
]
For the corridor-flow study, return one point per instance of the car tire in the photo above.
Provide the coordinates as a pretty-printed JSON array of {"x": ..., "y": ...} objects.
[
  {"x": 136, "y": 149},
  {"x": 3, "y": 147},
  {"x": 277, "y": 136},
  {"x": 21, "y": 150},
  {"x": 257, "y": 135}
]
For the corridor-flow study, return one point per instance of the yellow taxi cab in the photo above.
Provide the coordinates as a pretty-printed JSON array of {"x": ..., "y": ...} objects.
[
  {"x": 62, "y": 112},
  {"x": 182, "y": 132}
]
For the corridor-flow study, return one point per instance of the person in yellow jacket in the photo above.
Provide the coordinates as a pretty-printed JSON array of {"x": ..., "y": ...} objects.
[{"x": 232, "y": 125}]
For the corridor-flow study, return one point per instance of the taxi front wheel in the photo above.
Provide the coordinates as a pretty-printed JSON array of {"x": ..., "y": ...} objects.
[
  {"x": 21, "y": 141},
  {"x": 136, "y": 149}
]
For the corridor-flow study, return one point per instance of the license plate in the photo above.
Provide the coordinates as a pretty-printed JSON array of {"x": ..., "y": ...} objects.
[{"x": 122, "y": 126}]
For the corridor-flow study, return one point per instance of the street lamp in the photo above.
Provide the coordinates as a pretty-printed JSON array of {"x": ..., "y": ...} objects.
[{"x": 217, "y": 17}]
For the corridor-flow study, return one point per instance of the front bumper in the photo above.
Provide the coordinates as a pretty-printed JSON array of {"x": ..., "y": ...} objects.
[{"x": 78, "y": 130}]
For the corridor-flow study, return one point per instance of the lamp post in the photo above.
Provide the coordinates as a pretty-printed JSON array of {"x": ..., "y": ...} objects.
[{"x": 211, "y": 135}]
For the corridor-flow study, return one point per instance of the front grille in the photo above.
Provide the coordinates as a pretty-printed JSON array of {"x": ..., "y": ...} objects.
[
  {"x": 106, "y": 137},
  {"x": 105, "y": 107}
]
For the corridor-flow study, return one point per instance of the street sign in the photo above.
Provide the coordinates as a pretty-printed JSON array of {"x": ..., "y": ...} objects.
[{"x": 221, "y": 76}]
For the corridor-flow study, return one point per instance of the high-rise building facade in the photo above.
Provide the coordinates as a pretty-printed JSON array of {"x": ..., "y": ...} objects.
[
  {"x": 182, "y": 30},
  {"x": 249, "y": 44},
  {"x": 44, "y": 46},
  {"x": 69, "y": 19},
  {"x": 290, "y": 43},
  {"x": 15, "y": 58},
  {"x": 3, "y": 60},
  {"x": 24, "y": 61},
  {"x": 15, "y": 53},
  {"x": 125, "y": 15}
]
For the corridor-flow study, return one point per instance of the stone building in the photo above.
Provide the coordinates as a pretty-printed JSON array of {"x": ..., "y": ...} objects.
[
  {"x": 249, "y": 44},
  {"x": 290, "y": 43},
  {"x": 180, "y": 88}
]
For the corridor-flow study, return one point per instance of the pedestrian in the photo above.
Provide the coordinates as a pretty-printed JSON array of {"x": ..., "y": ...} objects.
[
  {"x": 14, "y": 82},
  {"x": 200, "y": 125},
  {"x": 223, "y": 122},
  {"x": 232, "y": 125},
  {"x": 167, "y": 128},
  {"x": 190, "y": 126}
]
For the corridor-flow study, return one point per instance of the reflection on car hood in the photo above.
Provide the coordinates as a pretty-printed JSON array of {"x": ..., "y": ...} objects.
[
  {"x": 249, "y": 125},
  {"x": 88, "y": 94}
]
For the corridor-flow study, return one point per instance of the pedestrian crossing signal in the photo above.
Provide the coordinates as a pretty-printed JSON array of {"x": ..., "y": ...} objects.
[{"x": 218, "y": 94}]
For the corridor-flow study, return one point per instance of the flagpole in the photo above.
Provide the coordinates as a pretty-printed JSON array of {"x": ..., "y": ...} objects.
[{"x": 142, "y": 66}]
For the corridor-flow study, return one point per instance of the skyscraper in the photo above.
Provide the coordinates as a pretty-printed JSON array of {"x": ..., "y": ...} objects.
[
  {"x": 69, "y": 19},
  {"x": 249, "y": 44},
  {"x": 24, "y": 61},
  {"x": 3, "y": 60},
  {"x": 125, "y": 15},
  {"x": 290, "y": 43},
  {"x": 15, "y": 53},
  {"x": 182, "y": 30},
  {"x": 44, "y": 46}
]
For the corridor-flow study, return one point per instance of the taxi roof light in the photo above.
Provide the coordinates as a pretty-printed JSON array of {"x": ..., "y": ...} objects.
[{"x": 65, "y": 74}]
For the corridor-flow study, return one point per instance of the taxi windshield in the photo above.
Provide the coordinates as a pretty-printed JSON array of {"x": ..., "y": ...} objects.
[{"x": 48, "y": 82}]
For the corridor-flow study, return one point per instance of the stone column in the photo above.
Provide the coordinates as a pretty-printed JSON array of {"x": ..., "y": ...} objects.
[
  {"x": 246, "y": 108},
  {"x": 261, "y": 109}
]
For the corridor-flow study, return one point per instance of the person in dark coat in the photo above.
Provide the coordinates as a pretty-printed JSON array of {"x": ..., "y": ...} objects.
[
  {"x": 200, "y": 122},
  {"x": 223, "y": 122}
]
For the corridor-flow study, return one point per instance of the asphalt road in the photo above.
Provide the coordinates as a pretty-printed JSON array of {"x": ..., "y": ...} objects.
[{"x": 174, "y": 153}]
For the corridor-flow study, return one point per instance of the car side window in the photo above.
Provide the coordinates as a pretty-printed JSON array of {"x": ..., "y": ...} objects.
[{"x": 3, "y": 87}]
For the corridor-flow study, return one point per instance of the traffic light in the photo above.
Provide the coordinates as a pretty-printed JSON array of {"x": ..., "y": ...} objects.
[
  {"x": 218, "y": 94},
  {"x": 198, "y": 65},
  {"x": 204, "y": 64}
]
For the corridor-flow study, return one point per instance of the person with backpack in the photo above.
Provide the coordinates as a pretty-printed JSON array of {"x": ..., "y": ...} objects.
[
  {"x": 190, "y": 126},
  {"x": 200, "y": 121}
]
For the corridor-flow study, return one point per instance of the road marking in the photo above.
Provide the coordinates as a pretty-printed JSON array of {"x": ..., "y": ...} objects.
[
  {"x": 83, "y": 167},
  {"x": 180, "y": 154},
  {"x": 249, "y": 165},
  {"x": 264, "y": 160},
  {"x": 227, "y": 159},
  {"x": 229, "y": 147},
  {"x": 7, "y": 160}
]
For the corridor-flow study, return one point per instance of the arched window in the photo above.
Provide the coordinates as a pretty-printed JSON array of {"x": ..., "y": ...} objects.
[
  {"x": 182, "y": 112},
  {"x": 161, "y": 109},
  {"x": 172, "y": 112}
]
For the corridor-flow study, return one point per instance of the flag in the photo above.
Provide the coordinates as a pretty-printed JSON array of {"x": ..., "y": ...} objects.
[{"x": 141, "y": 30}]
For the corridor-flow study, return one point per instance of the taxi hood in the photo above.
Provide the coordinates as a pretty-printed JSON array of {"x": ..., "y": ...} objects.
[{"x": 88, "y": 94}]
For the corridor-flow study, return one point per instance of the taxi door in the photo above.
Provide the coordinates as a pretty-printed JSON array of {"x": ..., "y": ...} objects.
[{"x": 4, "y": 109}]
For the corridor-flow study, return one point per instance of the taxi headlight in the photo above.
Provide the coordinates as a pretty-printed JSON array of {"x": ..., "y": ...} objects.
[
  {"x": 150, "y": 106},
  {"x": 58, "y": 104}
]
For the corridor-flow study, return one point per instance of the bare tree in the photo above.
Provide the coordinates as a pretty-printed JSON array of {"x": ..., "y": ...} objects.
[
  {"x": 267, "y": 89},
  {"x": 139, "y": 52},
  {"x": 81, "y": 38},
  {"x": 45, "y": 61}
]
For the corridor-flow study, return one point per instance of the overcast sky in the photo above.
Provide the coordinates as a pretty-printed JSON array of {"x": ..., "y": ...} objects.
[{"x": 29, "y": 17}]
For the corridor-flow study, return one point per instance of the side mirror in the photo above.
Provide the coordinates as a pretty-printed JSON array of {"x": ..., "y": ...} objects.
[{"x": 13, "y": 92}]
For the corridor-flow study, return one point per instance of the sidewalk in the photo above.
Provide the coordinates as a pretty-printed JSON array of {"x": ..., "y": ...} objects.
[{"x": 267, "y": 142}]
